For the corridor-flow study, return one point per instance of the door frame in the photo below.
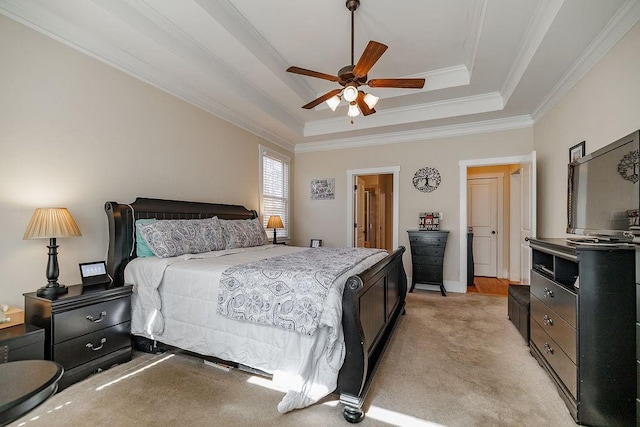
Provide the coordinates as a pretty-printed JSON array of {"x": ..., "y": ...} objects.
[
  {"x": 464, "y": 164},
  {"x": 389, "y": 170}
]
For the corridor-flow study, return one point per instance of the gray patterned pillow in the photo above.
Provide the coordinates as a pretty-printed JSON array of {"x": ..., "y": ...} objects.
[
  {"x": 243, "y": 233},
  {"x": 173, "y": 237}
]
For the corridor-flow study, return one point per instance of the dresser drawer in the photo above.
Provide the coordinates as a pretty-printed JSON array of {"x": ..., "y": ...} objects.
[
  {"x": 84, "y": 320},
  {"x": 82, "y": 349},
  {"x": 553, "y": 354},
  {"x": 559, "y": 299},
  {"x": 554, "y": 325},
  {"x": 427, "y": 274},
  {"x": 426, "y": 250},
  {"x": 427, "y": 260},
  {"x": 420, "y": 239}
]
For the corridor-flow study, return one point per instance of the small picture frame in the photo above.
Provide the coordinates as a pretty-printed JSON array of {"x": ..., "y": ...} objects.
[
  {"x": 315, "y": 243},
  {"x": 576, "y": 152}
]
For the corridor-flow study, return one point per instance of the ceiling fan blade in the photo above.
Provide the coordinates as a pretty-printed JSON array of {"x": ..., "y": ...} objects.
[
  {"x": 370, "y": 56},
  {"x": 311, "y": 73},
  {"x": 320, "y": 100},
  {"x": 400, "y": 83},
  {"x": 363, "y": 105}
]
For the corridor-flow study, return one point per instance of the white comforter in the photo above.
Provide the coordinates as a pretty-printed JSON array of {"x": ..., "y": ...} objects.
[{"x": 175, "y": 299}]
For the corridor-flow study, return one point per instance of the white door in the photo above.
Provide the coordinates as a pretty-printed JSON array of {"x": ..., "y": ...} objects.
[
  {"x": 483, "y": 217},
  {"x": 528, "y": 212}
]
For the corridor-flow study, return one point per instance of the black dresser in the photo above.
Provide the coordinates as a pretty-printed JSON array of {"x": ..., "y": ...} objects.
[
  {"x": 583, "y": 327},
  {"x": 427, "y": 257},
  {"x": 86, "y": 330}
]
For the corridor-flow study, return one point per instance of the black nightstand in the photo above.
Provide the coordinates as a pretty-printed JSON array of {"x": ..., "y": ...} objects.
[
  {"x": 86, "y": 330},
  {"x": 21, "y": 342}
]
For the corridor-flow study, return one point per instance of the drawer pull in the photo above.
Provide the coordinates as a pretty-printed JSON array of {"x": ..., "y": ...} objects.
[
  {"x": 99, "y": 319},
  {"x": 547, "y": 320},
  {"x": 548, "y": 293},
  {"x": 91, "y": 347},
  {"x": 547, "y": 348}
]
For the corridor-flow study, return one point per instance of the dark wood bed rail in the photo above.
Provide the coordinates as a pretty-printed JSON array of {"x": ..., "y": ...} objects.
[{"x": 373, "y": 300}]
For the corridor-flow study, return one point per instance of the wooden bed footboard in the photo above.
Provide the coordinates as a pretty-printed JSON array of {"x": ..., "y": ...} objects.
[{"x": 372, "y": 304}]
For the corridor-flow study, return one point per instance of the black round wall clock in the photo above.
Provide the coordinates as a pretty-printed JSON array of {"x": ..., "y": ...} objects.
[
  {"x": 426, "y": 179},
  {"x": 628, "y": 166}
]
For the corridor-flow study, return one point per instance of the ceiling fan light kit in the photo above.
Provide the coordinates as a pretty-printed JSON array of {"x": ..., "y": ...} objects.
[{"x": 351, "y": 77}]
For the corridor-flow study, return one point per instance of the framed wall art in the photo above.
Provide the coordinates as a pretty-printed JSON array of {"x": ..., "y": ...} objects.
[
  {"x": 323, "y": 189},
  {"x": 576, "y": 152}
]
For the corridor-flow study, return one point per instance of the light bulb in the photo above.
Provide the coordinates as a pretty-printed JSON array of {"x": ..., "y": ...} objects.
[
  {"x": 350, "y": 93},
  {"x": 333, "y": 102},
  {"x": 353, "y": 110},
  {"x": 371, "y": 100}
]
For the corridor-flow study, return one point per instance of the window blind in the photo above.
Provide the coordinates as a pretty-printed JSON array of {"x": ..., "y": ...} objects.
[{"x": 275, "y": 191}]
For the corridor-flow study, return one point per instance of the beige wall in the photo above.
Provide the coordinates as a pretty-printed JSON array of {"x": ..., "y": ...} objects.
[
  {"x": 603, "y": 107},
  {"x": 327, "y": 219},
  {"x": 76, "y": 133}
]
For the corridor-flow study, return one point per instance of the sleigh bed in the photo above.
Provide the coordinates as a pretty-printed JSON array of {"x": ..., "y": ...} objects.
[{"x": 371, "y": 304}]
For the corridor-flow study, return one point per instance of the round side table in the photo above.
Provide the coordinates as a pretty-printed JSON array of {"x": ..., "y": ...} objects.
[{"x": 25, "y": 385}]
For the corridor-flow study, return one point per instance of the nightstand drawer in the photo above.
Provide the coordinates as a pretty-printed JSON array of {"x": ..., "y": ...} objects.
[
  {"x": 84, "y": 320},
  {"x": 80, "y": 350}
]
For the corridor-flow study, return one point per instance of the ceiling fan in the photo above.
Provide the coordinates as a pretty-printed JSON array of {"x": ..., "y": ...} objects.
[{"x": 351, "y": 77}]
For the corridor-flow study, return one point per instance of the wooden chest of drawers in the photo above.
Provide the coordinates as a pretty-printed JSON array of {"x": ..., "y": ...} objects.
[
  {"x": 427, "y": 256},
  {"x": 86, "y": 330},
  {"x": 583, "y": 313}
]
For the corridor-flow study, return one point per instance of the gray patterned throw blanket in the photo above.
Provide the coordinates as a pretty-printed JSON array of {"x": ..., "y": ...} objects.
[{"x": 287, "y": 291}]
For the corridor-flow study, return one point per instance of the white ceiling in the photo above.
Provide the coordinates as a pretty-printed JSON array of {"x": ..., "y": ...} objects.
[{"x": 489, "y": 64}]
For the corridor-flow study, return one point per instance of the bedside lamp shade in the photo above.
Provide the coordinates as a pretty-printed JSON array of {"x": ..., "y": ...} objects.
[
  {"x": 275, "y": 222},
  {"x": 51, "y": 223}
]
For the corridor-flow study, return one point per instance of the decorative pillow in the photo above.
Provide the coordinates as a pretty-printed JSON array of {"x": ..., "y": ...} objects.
[
  {"x": 142, "y": 249},
  {"x": 243, "y": 233},
  {"x": 173, "y": 237}
]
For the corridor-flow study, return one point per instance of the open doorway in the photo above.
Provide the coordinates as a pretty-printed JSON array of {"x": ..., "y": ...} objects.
[
  {"x": 372, "y": 212},
  {"x": 500, "y": 241},
  {"x": 373, "y": 219}
]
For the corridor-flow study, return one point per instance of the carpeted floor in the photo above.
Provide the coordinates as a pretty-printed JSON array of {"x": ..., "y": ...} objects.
[{"x": 454, "y": 361}]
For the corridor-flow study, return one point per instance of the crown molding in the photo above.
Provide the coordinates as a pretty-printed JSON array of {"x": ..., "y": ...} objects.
[
  {"x": 471, "y": 128},
  {"x": 236, "y": 24},
  {"x": 475, "y": 30},
  {"x": 618, "y": 26},
  {"x": 431, "y": 111},
  {"x": 538, "y": 27}
]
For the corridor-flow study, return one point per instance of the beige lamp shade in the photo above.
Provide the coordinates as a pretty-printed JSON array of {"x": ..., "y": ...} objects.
[
  {"x": 49, "y": 223},
  {"x": 275, "y": 222}
]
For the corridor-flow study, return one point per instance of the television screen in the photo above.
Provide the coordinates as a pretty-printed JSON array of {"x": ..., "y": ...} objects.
[{"x": 603, "y": 190}]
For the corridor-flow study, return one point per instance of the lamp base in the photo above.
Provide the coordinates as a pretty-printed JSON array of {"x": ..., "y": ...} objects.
[{"x": 51, "y": 292}]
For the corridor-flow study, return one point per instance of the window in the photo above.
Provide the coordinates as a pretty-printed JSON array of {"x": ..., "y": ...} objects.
[{"x": 274, "y": 180}]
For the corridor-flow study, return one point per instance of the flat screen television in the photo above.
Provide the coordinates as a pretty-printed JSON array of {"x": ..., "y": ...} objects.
[{"x": 603, "y": 191}]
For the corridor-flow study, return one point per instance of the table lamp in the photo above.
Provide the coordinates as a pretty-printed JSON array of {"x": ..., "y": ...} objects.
[
  {"x": 51, "y": 223},
  {"x": 275, "y": 222}
]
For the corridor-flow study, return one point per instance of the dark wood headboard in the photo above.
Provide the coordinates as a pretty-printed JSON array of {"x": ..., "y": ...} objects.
[{"x": 121, "y": 217}]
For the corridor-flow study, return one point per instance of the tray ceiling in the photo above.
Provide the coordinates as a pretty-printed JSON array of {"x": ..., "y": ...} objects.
[{"x": 489, "y": 64}]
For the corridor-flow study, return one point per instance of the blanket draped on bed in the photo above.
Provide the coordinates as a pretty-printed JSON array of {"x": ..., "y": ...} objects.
[{"x": 287, "y": 291}]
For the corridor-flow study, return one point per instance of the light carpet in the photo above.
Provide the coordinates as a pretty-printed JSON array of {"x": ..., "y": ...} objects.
[{"x": 454, "y": 361}]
